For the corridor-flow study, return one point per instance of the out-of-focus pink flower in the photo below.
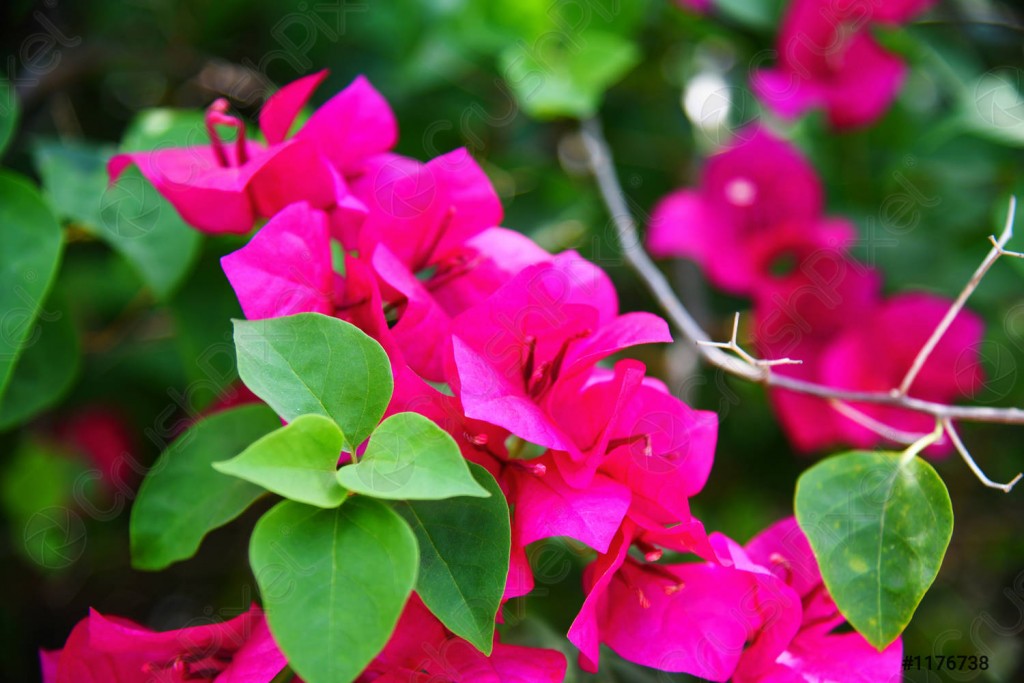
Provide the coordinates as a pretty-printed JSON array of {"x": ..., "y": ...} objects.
[
  {"x": 758, "y": 203},
  {"x": 797, "y": 317},
  {"x": 699, "y": 6},
  {"x": 828, "y": 59},
  {"x": 103, "y": 649},
  {"x": 875, "y": 354},
  {"x": 104, "y": 435}
]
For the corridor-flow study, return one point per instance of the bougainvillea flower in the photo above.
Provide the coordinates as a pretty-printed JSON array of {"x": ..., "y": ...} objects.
[
  {"x": 423, "y": 211},
  {"x": 551, "y": 322},
  {"x": 422, "y": 650},
  {"x": 816, "y": 652},
  {"x": 828, "y": 59},
  {"x": 757, "y": 201},
  {"x": 693, "y": 618},
  {"x": 797, "y": 316},
  {"x": 875, "y": 355},
  {"x": 546, "y": 506},
  {"x": 103, "y": 649},
  {"x": 225, "y": 187},
  {"x": 104, "y": 435},
  {"x": 286, "y": 267}
]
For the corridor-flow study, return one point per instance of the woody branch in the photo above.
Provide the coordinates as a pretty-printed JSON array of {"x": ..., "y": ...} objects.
[{"x": 742, "y": 364}]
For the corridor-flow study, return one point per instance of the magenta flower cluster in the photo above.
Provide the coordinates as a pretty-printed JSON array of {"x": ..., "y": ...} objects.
[
  {"x": 507, "y": 347},
  {"x": 756, "y": 226}
]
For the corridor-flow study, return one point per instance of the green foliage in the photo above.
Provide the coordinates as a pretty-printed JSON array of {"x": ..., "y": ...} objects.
[
  {"x": 557, "y": 79},
  {"x": 311, "y": 363},
  {"x": 8, "y": 113},
  {"x": 46, "y": 369},
  {"x": 464, "y": 554},
  {"x": 297, "y": 461},
  {"x": 333, "y": 583},
  {"x": 183, "y": 498},
  {"x": 879, "y": 525},
  {"x": 410, "y": 458},
  {"x": 74, "y": 178},
  {"x": 30, "y": 249}
]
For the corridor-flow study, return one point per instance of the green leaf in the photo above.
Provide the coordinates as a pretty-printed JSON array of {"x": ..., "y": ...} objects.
[
  {"x": 30, "y": 248},
  {"x": 36, "y": 488},
  {"x": 8, "y": 113},
  {"x": 74, "y": 176},
  {"x": 314, "y": 364},
  {"x": 410, "y": 458},
  {"x": 464, "y": 555},
  {"x": 183, "y": 498},
  {"x": 553, "y": 79},
  {"x": 46, "y": 368},
  {"x": 146, "y": 230},
  {"x": 879, "y": 529},
  {"x": 298, "y": 461},
  {"x": 333, "y": 583}
]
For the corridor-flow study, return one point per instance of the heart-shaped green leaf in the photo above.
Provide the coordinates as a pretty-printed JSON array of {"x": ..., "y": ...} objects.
[
  {"x": 298, "y": 461},
  {"x": 312, "y": 363},
  {"x": 879, "y": 528},
  {"x": 183, "y": 497},
  {"x": 464, "y": 554},
  {"x": 333, "y": 583},
  {"x": 411, "y": 458}
]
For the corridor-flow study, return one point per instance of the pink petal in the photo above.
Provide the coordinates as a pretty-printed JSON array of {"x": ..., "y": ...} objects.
[
  {"x": 279, "y": 112},
  {"x": 286, "y": 267},
  {"x": 208, "y": 196},
  {"x": 697, "y": 618},
  {"x": 352, "y": 126},
  {"x": 546, "y": 506},
  {"x": 586, "y": 633}
]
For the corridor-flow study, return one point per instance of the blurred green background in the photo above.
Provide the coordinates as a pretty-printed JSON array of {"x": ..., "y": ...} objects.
[{"x": 138, "y": 328}]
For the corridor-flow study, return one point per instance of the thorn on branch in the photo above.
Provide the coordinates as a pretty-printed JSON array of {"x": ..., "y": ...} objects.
[{"x": 734, "y": 346}]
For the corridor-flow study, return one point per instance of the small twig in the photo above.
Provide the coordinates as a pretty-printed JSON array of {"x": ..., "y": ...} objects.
[
  {"x": 924, "y": 442},
  {"x": 885, "y": 431},
  {"x": 947, "y": 424},
  {"x": 993, "y": 256},
  {"x": 734, "y": 346}
]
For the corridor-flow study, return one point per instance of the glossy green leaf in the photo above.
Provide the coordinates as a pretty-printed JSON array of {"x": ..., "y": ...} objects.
[
  {"x": 298, "y": 461},
  {"x": 8, "y": 113},
  {"x": 46, "y": 368},
  {"x": 183, "y": 498},
  {"x": 464, "y": 555},
  {"x": 552, "y": 79},
  {"x": 30, "y": 249},
  {"x": 410, "y": 458},
  {"x": 314, "y": 364},
  {"x": 879, "y": 529},
  {"x": 333, "y": 583},
  {"x": 146, "y": 230},
  {"x": 74, "y": 178}
]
